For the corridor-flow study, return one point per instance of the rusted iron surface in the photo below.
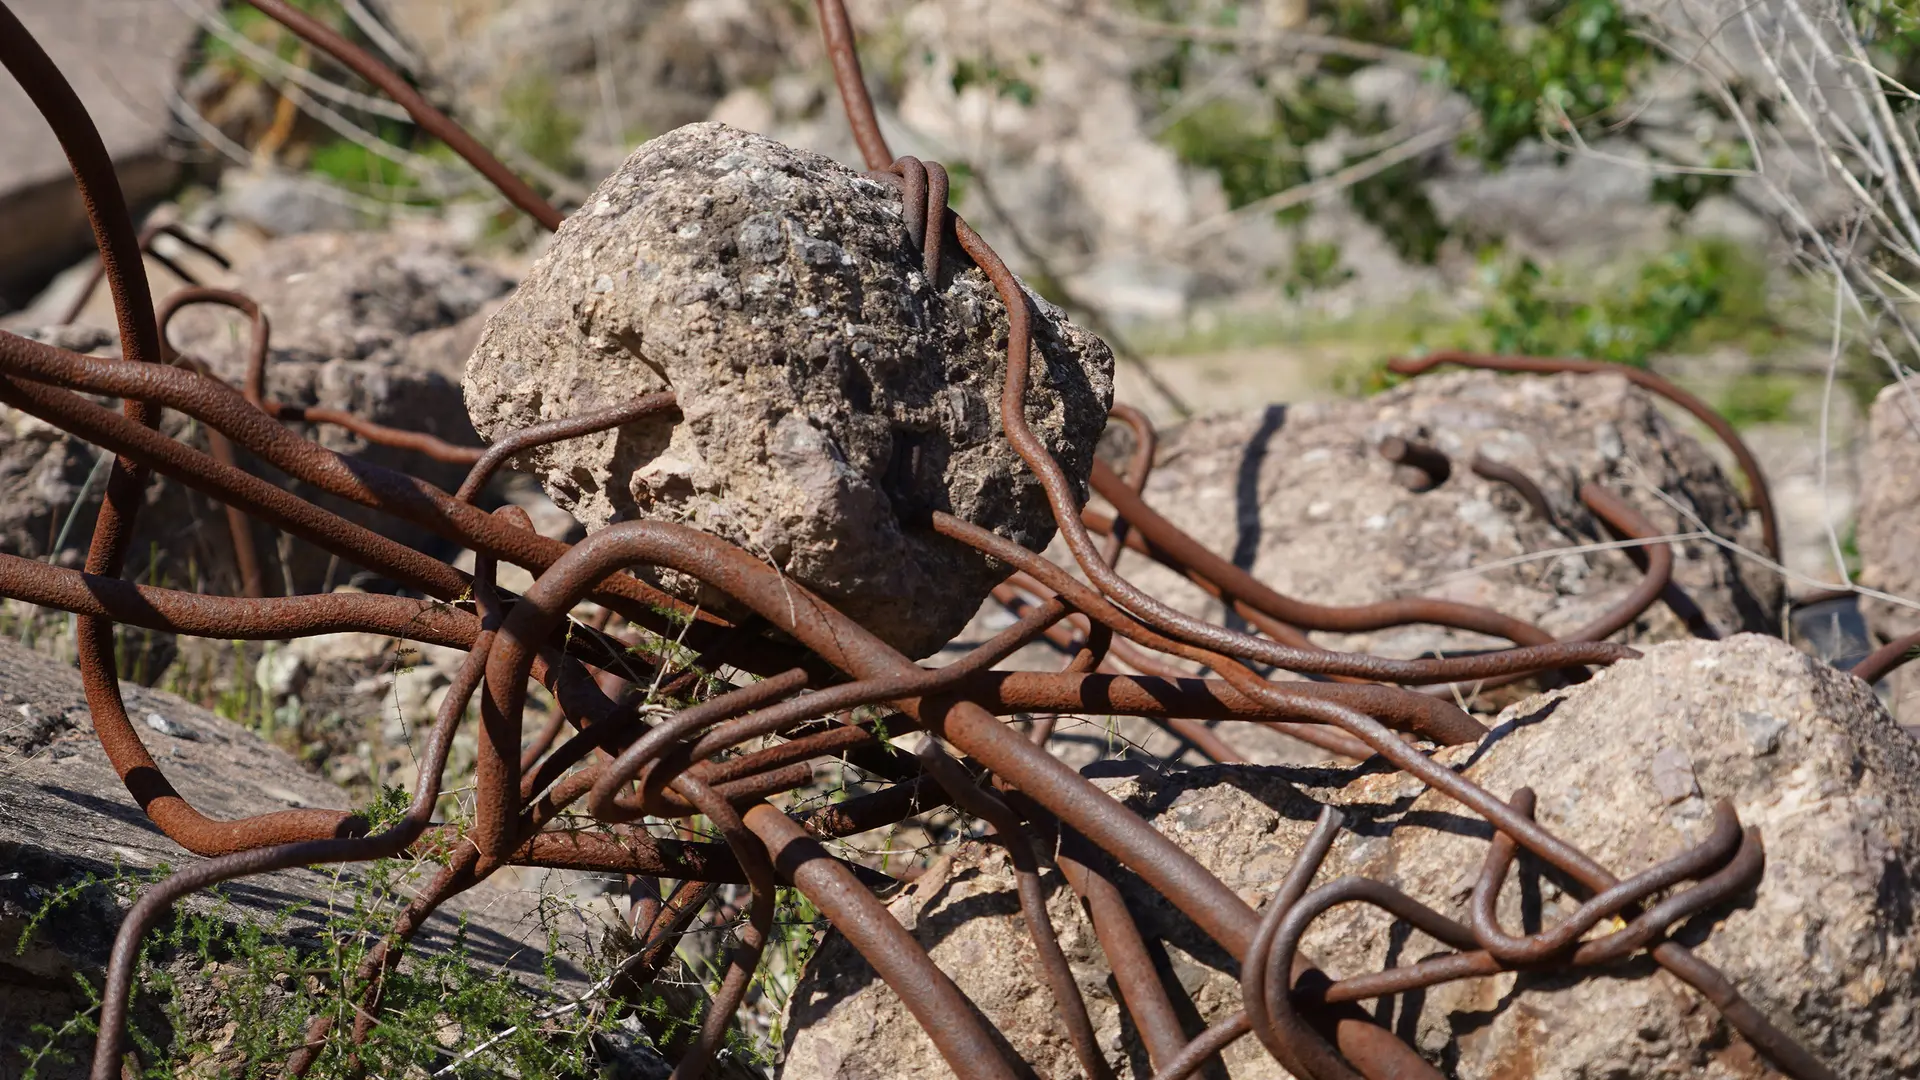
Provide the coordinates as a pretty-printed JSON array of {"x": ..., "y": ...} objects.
[{"x": 828, "y": 688}]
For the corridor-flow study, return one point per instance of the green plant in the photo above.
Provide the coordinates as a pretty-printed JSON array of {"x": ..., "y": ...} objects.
[
  {"x": 1257, "y": 153},
  {"x": 352, "y": 165},
  {"x": 1891, "y": 30},
  {"x": 241, "y": 699},
  {"x": 258, "y": 28},
  {"x": 1575, "y": 58},
  {"x": 1758, "y": 399},
  {"x": 797, "y": 929},
  {"x": 1687, "y": 190},
  {"x": 1571, "y": 58},
  {"x": 1396, "y": 203},
  {"x": 1671, "y": 300},
  {"x": 1254, "y": 156},
  {"x": 535, "y": 121}
]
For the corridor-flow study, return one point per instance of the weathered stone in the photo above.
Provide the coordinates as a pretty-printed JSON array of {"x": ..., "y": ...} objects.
[
  {"x": 121, "y": 59},
  {"x": 65, "y": 814},
  {"x": 1301, "y": 496},
  {"x": 42, "y": 469},
  {"x": 1889, "y": 530},
  {"x": 1825, "y": 946},
  {"x": 376, "y": 324},
  {"x": 281, "y": 203},
  {"x": 52, "y": 483},
  {"x": 830, "y": 396},
  {"x": 843, "y": 1024},
  {"x": 602, "y": 72}
]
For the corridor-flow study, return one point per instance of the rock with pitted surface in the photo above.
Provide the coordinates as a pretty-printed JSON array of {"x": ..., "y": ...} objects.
[
  {"x": 377, "y": 324},
  {"x": 830, "y": 396},
  {"x": 52, "y": 484},
  {"x": 1302, "y": 497},
  {"x": 122, "y": 59},
  {"x": 1825, "y": 946},
  {"x": 1889, "y": 532}
]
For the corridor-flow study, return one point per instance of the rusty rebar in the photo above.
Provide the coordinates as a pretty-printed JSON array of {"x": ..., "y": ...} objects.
[
  {"x": 431, "y": 120},
  {"x": 1013, "y": 836},
  {"x": 1759, "y": 495},
  {"x": 148, "y": 234},
  {"x": 553, "y": 431},
  {"x": 693, "y": 762},
  {"x": 1523, "y": 485}
]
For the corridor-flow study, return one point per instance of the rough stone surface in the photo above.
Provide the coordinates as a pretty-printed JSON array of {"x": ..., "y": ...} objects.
[
  {"x": 65, "y": 814},
  {"x": 121, "y": 57},
  {"x": 1889, "y": 530},
  {"x": 1825, "y": 946},
  {"x": 1301, "y": 496},
  {"x": 375, "y": 324},
  {"x": 829, "y": 395},
  {"x": 44, "y": 473}
]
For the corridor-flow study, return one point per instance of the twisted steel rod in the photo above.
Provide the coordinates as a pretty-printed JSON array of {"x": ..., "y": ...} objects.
[
  {"x": 1759, "y": 495},
  {"x": 695, "y": 761}
]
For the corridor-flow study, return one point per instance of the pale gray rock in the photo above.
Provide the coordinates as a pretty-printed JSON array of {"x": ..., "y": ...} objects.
[
  {"x": 830, "y": 397},
  {"x": 52, "y": 484},
  {"x": 843, "y": 1024},
  {"x": 122, "y": 58},
  {"x": 1592, "y": 207},
  {"x": 376, "y": 324},
  {"x": 1889, "y": 530},
  {"x": 282, "y": 204},
  {"x": 1300, "y": 496},
  {"x": 1825, "y": 946},
  {"x": 611, "y": 73},
  {"x": 42, "y": 469}
]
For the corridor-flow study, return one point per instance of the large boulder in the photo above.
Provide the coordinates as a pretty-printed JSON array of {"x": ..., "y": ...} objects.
[
  {"x": 1301, "y": 496},
  {"x": 121, "y": 60},
  {"x": 52, "y": 484},
  {"x": 830, "y": 396},
  {"x": 1825, "y": 946},
  {"x": 375, "y": 324},
  {"x": 1889, "y": 529}
]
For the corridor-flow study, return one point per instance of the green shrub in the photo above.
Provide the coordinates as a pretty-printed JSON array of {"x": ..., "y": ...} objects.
[
  {"x": 267, "y": 983},
  {"x": 1670, "y": 301},
  {"x": 1758, "y": 399},
  {"x": 537, "y": 124}
]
